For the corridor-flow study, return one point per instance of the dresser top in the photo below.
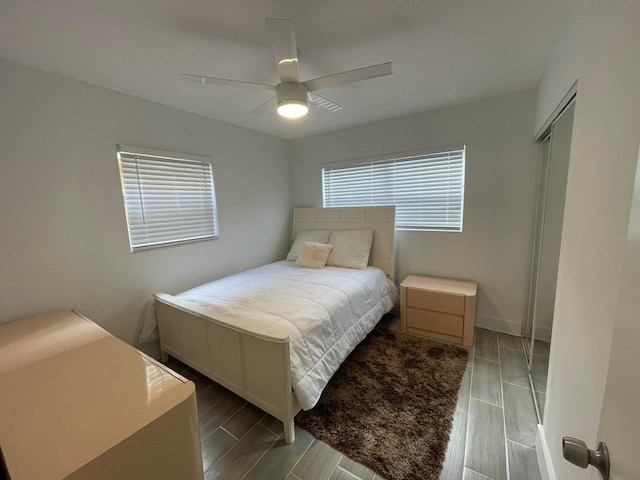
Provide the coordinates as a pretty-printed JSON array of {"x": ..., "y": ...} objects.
[
  {"x": 436, "y": 284},
  {"x": 69, "y": 391}
]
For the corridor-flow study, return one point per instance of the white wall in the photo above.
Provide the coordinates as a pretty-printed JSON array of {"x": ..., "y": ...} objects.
[
  {"x": 599, "y": 48},
  {"x": 620, "y": 422},
  {"x": 63, "y": 234},
  {"x": 501, "y": 180}
]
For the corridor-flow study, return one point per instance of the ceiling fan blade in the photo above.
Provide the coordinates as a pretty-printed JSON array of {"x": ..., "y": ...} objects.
[
  {"x": 349, "y": 77},
  {"x": 225, "y": 82},
  {"x": 324, "y": 104},
  {"x": 283, "y": 43},
  {"x": 263, "y": 107}
]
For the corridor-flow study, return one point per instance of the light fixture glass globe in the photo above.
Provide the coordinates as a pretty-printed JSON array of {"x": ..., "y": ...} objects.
[{"x": 292, "y": 109}]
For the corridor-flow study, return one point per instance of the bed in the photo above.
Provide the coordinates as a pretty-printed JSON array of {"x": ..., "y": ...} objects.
[{"x": 276, "y": 334}]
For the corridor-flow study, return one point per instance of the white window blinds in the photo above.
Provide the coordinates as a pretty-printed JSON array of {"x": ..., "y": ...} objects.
[
  {"x": 167, "y": 200},
  {"x": 427, "y": 189}
]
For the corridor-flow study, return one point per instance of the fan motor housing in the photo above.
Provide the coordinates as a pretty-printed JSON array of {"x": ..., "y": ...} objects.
[{"x": 291, "y": 92}]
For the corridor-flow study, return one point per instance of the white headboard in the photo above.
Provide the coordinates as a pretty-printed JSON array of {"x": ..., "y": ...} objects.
[{"x": 380, "y": 219}]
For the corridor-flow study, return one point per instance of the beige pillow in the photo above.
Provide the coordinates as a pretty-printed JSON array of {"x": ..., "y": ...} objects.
[
  {"x": 350, "y": 248},
  {"x": 317, "y": 236},
  {"x": 313, "y": 255}
]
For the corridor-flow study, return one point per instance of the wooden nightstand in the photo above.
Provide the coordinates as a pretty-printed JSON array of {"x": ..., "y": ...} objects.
[{"x": 438, "y": 308}]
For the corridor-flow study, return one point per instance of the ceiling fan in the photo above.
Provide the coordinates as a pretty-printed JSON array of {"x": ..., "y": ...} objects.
[{"x": 293, "y": 97}]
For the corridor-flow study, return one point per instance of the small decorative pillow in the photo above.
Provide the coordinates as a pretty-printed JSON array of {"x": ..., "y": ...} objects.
[
  {"x": 314, "y": 255},
  {"x": 318, "y": 236},
  {"x": 350, "y": 248}
]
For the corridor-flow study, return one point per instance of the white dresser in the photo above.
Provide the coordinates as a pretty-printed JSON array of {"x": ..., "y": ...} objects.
[{"x": 77, "y": 403}]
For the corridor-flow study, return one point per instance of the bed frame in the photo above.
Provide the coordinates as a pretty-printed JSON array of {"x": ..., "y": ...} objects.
[{"x": 251, "y": 361}]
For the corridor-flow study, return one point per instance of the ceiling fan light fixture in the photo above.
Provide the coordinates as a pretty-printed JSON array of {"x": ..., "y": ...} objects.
[
  {"x": 293, "y": 96},
  {"x": 292, "y": 100},
  {"x": 293, "y": 109}
]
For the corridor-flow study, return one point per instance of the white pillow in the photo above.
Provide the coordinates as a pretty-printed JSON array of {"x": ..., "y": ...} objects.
[
  {"x": 350, "y": 248},
  {"x": 317, "y": 236},
  {"x": 313, "y": 255}
]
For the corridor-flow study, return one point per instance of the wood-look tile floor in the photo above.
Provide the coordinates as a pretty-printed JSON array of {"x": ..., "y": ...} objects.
[{"x": 493, "y": 434}]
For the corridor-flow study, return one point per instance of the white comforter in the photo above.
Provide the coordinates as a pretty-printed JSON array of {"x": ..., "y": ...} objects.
[{"x": 326, "y": 311}]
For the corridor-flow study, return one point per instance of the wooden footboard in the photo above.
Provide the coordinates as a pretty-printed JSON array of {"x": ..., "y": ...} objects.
[{"x": 251, "y": 362}]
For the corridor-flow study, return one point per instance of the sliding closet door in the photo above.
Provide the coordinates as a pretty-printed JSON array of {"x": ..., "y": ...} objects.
[
  {"x": 546, "y": 255},
  {"x": 543, "y": 178},
  {"x": 552, "y": 227}
]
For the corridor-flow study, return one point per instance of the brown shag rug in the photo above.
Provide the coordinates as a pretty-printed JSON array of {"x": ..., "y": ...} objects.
[{"x": 390, "y": 405}]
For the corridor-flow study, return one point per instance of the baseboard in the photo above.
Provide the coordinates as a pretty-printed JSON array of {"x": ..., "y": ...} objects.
[
  {"x": 499, "y": 325},
  {"x": 544, "y": 457},
  {"x": 544, "y": 334}
]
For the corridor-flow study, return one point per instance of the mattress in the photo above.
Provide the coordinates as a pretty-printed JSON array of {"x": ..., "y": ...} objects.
[{"x": 327, "y": 312}]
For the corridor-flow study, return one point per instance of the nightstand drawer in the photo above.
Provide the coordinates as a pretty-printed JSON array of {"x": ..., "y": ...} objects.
[
  {"x": 435, "y": 321},
  {"x": 437, "y": 301}
]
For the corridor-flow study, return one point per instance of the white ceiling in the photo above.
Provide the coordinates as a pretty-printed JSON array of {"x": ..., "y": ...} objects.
[{"x": 444, "y": 52}]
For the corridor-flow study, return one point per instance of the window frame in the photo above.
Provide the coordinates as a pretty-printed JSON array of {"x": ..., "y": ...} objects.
[
  {"x": 407, "y": 155},
  {"x": 174, "y": 159}
]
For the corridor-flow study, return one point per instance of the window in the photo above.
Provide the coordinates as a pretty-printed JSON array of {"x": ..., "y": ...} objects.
[
  {"x": 169, "y": 198},
  {"x": 426, "y": 188}
]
